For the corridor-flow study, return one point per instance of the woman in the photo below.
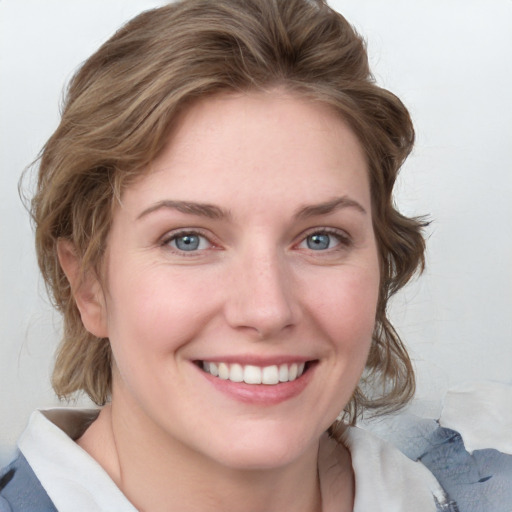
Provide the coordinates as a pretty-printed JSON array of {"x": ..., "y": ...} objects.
[{"x": 214, "y": 220}]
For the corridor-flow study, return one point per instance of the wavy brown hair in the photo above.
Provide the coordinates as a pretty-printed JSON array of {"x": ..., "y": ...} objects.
[{"x": 121, "y": 106}]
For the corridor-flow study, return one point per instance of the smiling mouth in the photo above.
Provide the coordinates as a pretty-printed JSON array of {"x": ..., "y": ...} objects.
[{"x": 250, "y": 374}]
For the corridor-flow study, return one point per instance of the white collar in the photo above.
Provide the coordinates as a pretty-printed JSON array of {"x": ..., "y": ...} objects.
[
  {"x": 386, "y": 480},
  {"x": 73, "y": 480}
]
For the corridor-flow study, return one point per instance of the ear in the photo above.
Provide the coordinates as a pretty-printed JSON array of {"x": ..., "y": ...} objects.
[{"x": 86, "y": 289}]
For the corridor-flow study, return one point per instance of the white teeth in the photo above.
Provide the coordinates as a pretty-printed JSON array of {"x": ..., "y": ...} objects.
[
  {"x": 236, "y": 373},
  {"x": 270, "y": 375},
  {"x": 293, "y": 372},
  {"x": 214, "y": 369},
  {"x": 283, "y": 373},
  {"x": 223, "y": 371},
  {"x": 250, "y": 374}
]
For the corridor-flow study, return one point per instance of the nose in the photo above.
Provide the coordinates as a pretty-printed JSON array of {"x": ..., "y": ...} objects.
[{"x": 261, "y": 296}]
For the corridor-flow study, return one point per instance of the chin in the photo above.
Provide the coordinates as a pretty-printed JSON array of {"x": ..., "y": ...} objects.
[{"x": 264, "y": 448}]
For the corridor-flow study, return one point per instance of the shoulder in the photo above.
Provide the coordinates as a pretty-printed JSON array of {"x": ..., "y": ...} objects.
[
  {"x": 387, "y": 480},
  {"x": 384, "y": 478},
  {"x": 477, "y": 480},
  {"x": 468, "y": 449},
  {"x": 52, "y": 460},
  {"x": 21, "y": 491}
]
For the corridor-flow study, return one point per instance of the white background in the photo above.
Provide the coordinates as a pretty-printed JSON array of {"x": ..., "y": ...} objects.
[{"x": 451, "y": 63}]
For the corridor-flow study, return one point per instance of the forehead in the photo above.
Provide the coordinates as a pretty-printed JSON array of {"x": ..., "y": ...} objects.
[{"x": 286, "y": 146}]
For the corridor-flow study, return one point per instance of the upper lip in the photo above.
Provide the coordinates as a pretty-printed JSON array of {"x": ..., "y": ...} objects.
[{"x": 257, "y": 360}]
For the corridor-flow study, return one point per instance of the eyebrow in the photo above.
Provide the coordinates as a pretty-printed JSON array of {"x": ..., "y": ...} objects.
[
  {"x": 215, "y": 212},
  {"x": 328, "y": 207},
  {"x": 201, "y": 209}
]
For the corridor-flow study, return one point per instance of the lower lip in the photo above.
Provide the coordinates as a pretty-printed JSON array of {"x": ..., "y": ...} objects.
[{"x": 262, "y": 394}]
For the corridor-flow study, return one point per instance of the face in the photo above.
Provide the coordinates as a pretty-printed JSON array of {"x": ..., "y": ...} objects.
[{"x": 242, "y": 279}]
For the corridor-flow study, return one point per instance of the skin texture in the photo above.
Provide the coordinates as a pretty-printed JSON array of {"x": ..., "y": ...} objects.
[{"x": 253, "y": 291}]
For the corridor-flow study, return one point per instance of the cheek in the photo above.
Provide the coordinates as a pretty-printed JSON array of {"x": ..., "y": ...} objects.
[
  {"x": 151, "y": 316},
  {"x": 347, "y": 308},
  {"x": 155, "y": 310},
  {"x": 345, "y": 315}
]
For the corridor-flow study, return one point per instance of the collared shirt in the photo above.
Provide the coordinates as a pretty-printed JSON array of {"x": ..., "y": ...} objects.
[{"x": 386, "y": 480}]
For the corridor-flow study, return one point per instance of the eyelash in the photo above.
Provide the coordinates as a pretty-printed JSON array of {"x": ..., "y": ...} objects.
[
  {"x": 343, "y": 238},
  {"x": 194, "y": 232}
]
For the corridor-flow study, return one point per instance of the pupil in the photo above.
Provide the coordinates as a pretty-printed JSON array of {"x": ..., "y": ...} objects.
[
  {"x": 318, "y": 241},
  {"x": 187, "y": 242}
]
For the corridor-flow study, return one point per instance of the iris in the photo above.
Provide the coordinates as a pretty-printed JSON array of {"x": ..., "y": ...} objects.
[
  {"x": 318, "y": 241},
  {"x": 187, "y": 242}
]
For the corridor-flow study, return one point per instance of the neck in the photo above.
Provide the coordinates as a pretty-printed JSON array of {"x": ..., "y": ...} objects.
[{"x": 154, "y": 471}]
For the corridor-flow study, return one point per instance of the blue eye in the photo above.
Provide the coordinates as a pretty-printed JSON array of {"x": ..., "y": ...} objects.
[
  {"x": 189, "y": 242},
  {"x": 318, "y": 241},
  {"x": 322, "y": 240}
]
